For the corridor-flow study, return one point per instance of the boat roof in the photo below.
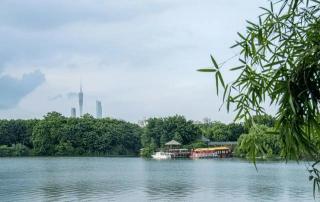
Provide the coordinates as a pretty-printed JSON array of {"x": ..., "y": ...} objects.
[
  {"x": 222, "y": 143},
  {"x": 211, "y": 149}
]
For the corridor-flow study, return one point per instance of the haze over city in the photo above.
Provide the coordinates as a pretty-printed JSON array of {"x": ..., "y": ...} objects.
[
  {"x": 139, "y": 58},
  {"x": 160, "y": 100}
]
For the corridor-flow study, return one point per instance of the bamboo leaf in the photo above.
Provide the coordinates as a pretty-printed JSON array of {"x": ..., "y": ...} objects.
[
  {"x": 217, "y": 84},
  {"x": 237, "y": 68},
  {"x": 206, "y": 70},
  {"x": 220, "y": 79},
  {"x": 214, "y": 62},
  {"x": 274, "y": 63},
  {"x": 225, "y": 92}
]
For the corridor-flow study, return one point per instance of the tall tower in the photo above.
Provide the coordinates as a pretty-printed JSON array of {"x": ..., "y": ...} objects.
[
  {"x": 81, "y": 100},
  {"x": 73, "y": 112},
  {"x": 98, "y": 110}
]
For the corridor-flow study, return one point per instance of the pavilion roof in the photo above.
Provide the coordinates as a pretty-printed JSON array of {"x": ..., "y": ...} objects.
[{"x": 172, "y": 142}]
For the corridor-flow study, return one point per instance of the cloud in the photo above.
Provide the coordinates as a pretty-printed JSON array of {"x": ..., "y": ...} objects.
[
  {"x": 14, "y": 90},
  {"x": 72, "y": 95},
  {"x": 32, "y": 30},
  {"x": 56, "y": 97},
  {"x": 138, "y": 57},
  {"x": 135, "y": 32},
  {"x": 42, "y": 15}
]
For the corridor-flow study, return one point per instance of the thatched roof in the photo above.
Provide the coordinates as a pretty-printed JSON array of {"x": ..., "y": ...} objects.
[{"x": 172, "y": 143}]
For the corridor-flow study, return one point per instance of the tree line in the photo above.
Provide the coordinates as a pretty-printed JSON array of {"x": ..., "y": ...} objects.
[{"x": 56, "y": 135}]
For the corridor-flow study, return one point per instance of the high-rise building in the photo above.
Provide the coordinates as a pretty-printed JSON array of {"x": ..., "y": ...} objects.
[
  {"x": 81, "y": 100},
  {"x": 73, "y": 112},
  {"x": 98, "y": 109}
]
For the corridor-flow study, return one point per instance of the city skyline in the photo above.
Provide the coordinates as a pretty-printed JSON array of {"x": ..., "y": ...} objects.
[
  {"x": 73, "y": 112},
  {"x": 98, "y": 109},
  {"x": 139, "y": 58},
  {"x": 80, "y": 94},
  {"x": 80, "y": 100}
]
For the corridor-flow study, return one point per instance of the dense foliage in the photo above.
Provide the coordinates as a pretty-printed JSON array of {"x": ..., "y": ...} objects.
[
  {"x": 266, "y": 120},
  {"x": 57, "y": 135},
  {"x": 16, "y": 132},
  {"x": 279, "y": 58},
  {"x": 217, "y": 131},
  {"x": 158, "y": 131},
  {"x": 259, "y": 135},
  {"x": 14, "y": 150},
  {"x": 280, "y": 62}
]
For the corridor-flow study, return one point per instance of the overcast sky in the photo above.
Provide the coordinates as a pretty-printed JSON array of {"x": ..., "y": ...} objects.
[{"x": 138, "y": 57}]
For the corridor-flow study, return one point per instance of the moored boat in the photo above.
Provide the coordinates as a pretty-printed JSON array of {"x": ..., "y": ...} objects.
[
  {"x": 214, "y": 152},
  {"x": 161, "y": 156}
]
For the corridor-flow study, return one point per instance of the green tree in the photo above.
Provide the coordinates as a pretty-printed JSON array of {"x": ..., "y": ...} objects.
[
  {"x": 236, "y": 129},
  {"x": 47, "y": 133},
  {"x": 5, "y": 138},
  {"x": 64, "y": 149},
  {"x": 261, "y": 141},
  {"x": 58, "y": 135},
  {"x": 158, "y": 131},
  {"x": 264, "y": 119},
  {"x": 16, "y": 131},
  {"x": 279, "y": 62},
  {"x": 217, "y": 131},
  {"x": 279, "y": 59},
  {"x": 14, "y": 150}
]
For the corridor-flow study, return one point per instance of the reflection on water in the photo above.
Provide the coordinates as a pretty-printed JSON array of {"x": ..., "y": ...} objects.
[
  {"x": 262, "y": 183},
  {"x": 135, "y": 179},
  {"x": 169, "y": 180}
]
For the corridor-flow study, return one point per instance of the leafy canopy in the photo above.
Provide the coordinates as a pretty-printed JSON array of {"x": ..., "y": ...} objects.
[
  {"x": 279, "y": 61},
  {"x": 259, "y": 141}
]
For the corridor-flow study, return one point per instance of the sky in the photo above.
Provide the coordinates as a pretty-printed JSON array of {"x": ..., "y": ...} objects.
[{"x": 139, "y": 58}]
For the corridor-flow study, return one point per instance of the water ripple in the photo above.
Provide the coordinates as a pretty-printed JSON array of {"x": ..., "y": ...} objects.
[{"x": 134, "y": 179}]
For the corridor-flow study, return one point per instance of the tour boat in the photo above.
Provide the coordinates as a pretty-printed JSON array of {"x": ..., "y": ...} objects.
[
  {"x": 213, "y": 152},
  {"x": 161, "y": 156}
]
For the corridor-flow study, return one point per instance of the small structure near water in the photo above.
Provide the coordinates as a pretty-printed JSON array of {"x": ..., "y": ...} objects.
[
  {"x": 173, "y": 144},
  {"x": 173, "y": 150}
]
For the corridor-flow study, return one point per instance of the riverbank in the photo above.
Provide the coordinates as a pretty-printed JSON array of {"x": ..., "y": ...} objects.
[{"x": 23, "y": 151}]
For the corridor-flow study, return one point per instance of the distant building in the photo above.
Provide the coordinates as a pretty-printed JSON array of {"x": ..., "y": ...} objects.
[
  {"x": 98, "y": 110},
  {"x": 142, "y": 123},
  {"x": 81, "y": 101},
  {"x": 73, "y": 112}
]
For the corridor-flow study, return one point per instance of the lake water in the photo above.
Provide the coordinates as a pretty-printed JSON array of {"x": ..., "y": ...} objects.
[{"x": 137, "y": 179}]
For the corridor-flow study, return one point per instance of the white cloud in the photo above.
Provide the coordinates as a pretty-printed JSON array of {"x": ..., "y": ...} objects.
[
  {"x": 138, "y": 57},
  {"x": 13, "y": 89}
]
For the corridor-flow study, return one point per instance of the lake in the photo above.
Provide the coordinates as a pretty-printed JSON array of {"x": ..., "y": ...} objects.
[{"x": 137, "y": 179}]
